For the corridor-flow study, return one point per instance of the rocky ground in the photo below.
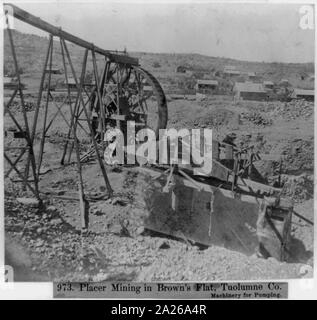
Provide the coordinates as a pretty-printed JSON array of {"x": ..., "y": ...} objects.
[{"x": 46, "y": 243}]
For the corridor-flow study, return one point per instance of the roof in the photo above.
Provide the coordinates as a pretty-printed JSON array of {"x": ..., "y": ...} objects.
[
  {"x": 53, "y": 69},
  {"x": 270, "y": 83},
  {"x": 249, "y": 87},
  {"x": 284, "y": 80},
  {"x": 304, "y": 92},
  {"x": 232, "y": 71},
  {"x": 208, "y": 82},
  {"x": 229, "y": 68},
  {"x": 8, "y": 80},
  {"x": 70, "y": 81},
  {"x": 251, "y": 74}
]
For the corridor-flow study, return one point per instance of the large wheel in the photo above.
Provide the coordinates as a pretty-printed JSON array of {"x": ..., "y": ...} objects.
[{"x": 134, "y": 93}]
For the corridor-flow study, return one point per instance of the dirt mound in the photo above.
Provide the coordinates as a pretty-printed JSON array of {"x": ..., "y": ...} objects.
[
  {"x": 212, "y": 118},
  {"x": 183, "y": 263},
  {"x": 302, "y": 244}
]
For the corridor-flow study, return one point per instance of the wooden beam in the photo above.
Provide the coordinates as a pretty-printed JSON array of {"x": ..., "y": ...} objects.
[{"x": 43, "y": 25}]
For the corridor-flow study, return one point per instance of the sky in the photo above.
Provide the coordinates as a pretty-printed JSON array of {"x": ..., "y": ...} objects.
[{"x": 253, "y": 32}]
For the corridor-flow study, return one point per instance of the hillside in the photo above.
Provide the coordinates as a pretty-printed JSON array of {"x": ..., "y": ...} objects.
[{"x": 31, "y": 51}]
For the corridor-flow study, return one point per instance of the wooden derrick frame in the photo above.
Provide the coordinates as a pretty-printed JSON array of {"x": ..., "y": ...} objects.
[
  {"x": 79, "y": 109},
  {"x": 127, "y": 96}
]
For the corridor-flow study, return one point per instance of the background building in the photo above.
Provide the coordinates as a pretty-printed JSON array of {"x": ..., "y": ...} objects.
[{"x": 249, "y": 91}]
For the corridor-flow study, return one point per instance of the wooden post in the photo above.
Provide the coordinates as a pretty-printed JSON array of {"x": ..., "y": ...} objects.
[
  {"x": 101, "y": 107},
  {"x": 38, "y": 103},
  {"x": 26, "y": 124},
  {"x": 40, "y": 159},
  {"x": 228, "y": 152},
  {"x": 71, "y": 109},
  {"x": 102, "y": 166},
  {"x": 83, "y": 204}
]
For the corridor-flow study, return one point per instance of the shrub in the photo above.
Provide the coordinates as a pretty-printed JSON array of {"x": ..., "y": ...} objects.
[{"x": 156, "y": 65}]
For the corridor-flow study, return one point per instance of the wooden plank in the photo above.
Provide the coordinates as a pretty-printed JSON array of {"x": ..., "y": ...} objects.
[
  {"x": 118, "y": 117},
  {"x": 209, "y": 188}
]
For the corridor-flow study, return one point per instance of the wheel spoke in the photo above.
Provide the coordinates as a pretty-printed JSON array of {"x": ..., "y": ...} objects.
[{"x": 140, "y": 91}]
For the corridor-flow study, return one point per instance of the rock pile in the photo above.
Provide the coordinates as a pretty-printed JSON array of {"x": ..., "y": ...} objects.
[
  {"x": 299, "y": 188},
  {"x": 256, "y": 118},
  {"x": 213, "y": 118},
  {"x": 295, "y": 109},
  {"x": 16, "y": 106}
]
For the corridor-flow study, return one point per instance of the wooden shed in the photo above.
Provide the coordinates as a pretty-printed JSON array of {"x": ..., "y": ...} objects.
[{"x": 249, "y": 91}]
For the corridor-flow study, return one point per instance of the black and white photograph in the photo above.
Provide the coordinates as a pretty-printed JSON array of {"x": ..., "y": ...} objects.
[{"x": 158, "y": 142}]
